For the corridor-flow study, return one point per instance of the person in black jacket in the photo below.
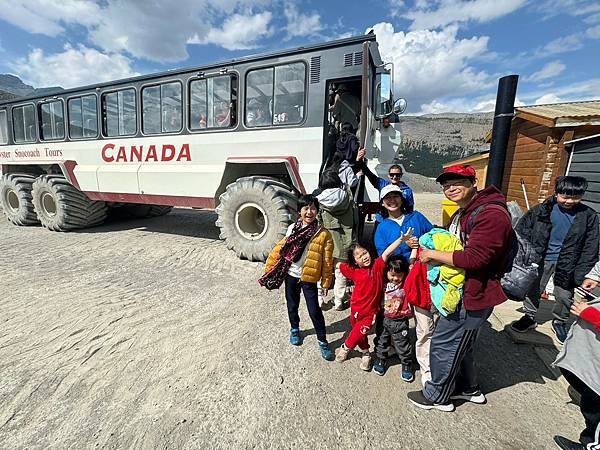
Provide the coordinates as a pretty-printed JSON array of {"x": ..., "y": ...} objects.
[{"x": 565, "y": 233}]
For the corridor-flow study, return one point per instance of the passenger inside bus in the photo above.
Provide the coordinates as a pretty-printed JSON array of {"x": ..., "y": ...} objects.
[
  {"x": 202, "y": 121},
  {"x": 256, "y": 115},
  {"x": 345, "y": 108},
  {"x": 223, "y": 114}
]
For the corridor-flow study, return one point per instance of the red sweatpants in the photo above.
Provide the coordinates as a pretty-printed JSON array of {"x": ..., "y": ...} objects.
[{"x": 361, "y": 325}]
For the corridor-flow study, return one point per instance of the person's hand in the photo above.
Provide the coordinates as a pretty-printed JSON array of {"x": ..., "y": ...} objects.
[
  {"x": 578, "y": 307},
  {"x": 589, "y": 285},
  {"x": 361, "y": 154},
  {"x": 427, "y": 257},
  {"x": 413, "y": 242},
  {"x": 408, "y": 235},
  {"x": 324, "y": 292}
]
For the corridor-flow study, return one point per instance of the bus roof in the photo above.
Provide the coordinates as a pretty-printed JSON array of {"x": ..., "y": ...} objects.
[{"x": 246, "y": 59}]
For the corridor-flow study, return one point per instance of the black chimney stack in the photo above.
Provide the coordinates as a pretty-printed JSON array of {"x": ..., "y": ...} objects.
[{"x": 505, "y": 104}]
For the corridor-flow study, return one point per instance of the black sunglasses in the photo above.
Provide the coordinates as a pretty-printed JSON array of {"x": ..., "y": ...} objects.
[{"x": 395, "y": 175}]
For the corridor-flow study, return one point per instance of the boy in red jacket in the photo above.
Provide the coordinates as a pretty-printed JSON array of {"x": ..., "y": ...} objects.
[{"x": 486, "y": 239}]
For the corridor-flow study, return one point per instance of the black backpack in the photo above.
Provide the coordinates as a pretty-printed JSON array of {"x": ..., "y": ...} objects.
[
  {"x": 522, "y": 261},
  {"x": 348, "y": 145}
]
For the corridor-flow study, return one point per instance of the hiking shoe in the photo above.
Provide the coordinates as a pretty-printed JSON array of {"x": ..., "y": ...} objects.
[
  {"x": 407, "y": 373},
  {"x": 420, "y": 401},
  {"x": 524, "y": 324},
  {"x": 326, "y": 352},
  {"x": 295, "y": 337},
  {"x": 365, "y": 362},
  {"x": 560, "y": 329},
  {"x": 475, "y": 396},
  {"x": 379, "y": 366},
  {"x": 567, "y": 444},
  {"x": 342, "y": 354}
]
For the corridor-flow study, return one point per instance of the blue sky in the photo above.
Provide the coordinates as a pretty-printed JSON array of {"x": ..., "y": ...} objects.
[{"x": 448, "y": 54}]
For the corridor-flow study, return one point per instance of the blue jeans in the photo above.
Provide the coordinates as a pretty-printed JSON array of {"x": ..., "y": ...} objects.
[{"x": 293, "y": 286}]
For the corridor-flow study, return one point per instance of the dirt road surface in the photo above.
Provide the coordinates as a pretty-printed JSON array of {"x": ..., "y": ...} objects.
[{"x": 151, "y": 334}]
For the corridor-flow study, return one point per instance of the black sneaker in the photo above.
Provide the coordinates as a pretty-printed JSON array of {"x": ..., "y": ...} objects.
[
  {"x": 475, "y": 396},
  {"x": 567, "y": 444},
  {"x": 524, "y": 324},
  {"x": 560, "y": 329},
  {"x": 418, "y": 399}
]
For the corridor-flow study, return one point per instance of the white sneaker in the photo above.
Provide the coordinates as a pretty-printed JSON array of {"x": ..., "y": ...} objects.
[
  {"x": 473, "y": 397},
  {"x": 342, "y": 354},
  {"x": 365, "y": 362}
]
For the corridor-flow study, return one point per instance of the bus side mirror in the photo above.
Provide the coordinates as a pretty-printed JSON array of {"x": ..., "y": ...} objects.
[{"x": 400, "y": 106}]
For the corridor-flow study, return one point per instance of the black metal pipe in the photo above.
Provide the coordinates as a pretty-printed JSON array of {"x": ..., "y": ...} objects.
[{"x": 505, "y": 105}]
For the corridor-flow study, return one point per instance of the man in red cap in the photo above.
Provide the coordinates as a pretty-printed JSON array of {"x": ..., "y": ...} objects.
[{"x": 483, "y": 225}]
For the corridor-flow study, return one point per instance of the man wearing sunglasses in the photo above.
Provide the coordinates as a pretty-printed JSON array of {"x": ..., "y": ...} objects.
[{"x": 394, "y": 177}]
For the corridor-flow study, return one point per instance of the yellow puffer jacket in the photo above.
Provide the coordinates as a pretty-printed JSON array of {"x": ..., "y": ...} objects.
[{"x": 318, "y": 265}]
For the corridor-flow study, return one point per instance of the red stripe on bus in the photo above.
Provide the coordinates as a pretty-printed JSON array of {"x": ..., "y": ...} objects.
[{"x": 150, "y": 199}]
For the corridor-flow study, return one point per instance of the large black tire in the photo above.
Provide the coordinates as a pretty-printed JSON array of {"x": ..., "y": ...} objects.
[
  {"x": 15, "y": 198},
  {"x": 62, "y": 207},
  {"x": 139, "y": 211},
  {"x": 254, "y": 213}
]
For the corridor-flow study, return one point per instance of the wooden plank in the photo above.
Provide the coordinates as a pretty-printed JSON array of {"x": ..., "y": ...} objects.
[
  {"x": 535, "y": 118},
  {"x": 525, "y": 163},
  {"x": 524, "y": 139},
  {"x": 532, "y": 146}
]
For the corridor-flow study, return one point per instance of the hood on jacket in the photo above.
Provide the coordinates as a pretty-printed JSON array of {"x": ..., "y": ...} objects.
[{"x": 334, "y": 200}]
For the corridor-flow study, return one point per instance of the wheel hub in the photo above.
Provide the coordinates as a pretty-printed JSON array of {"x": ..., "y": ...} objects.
[
  {"x": 48, "y": 204},
  {"x": 12, "y": 200},
  {"x": 251, "y": 221}
]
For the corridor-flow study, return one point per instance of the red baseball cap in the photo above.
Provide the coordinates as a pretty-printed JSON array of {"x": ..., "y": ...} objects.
[{"x": 456, "y": 171}]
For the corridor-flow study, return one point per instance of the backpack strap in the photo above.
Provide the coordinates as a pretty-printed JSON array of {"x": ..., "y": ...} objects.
[{"x": 471, "y": 221}]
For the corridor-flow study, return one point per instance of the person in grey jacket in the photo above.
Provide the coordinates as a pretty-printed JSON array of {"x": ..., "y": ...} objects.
[{"x": 579, "y": 363}]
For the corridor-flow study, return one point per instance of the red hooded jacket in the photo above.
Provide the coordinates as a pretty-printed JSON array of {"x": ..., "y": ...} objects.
[{"x": 485, "y": 252}]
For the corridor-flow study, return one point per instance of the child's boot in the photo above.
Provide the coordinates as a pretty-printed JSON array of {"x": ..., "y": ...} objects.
[
  {"x": 365, "y": 361},
  {"x": 379, "y": 366},
  {"x": 407, "y": 373},
  {"x": 295, "y": 336},
  {"x": 326, "y": 352},
  {"x": 342, "y": 354}
]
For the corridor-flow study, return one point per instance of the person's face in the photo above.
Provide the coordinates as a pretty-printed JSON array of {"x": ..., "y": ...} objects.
[
  {"x": 392, "y": 202},
  {"x": 395, "y": 277},
  {"x": 568, "y": 201},
  {"x": 395, "y": 175},
  {"x": 458, "y": 189},
  {"x": 361, "y": 257},
  {"x": 308, "y": 214}
]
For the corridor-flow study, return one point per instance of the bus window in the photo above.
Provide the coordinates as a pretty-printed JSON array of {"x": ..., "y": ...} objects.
[
  {"x": 52, "y": 120},
  {"x": 259, "y": 97},
  {"x": 3, "y": 128},
  {"x": 121, "y": 115},
  {"x": 83, "y": 117},
  {"x": 24, "y": 124},
  {"x": 162, "y": 110},
  {"x": 289, "y": 94},
  {"x": 213, "y": 102}
]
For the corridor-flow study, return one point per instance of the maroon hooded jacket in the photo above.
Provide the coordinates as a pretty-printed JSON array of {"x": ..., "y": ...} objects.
[{"x": 485, "y": 253}]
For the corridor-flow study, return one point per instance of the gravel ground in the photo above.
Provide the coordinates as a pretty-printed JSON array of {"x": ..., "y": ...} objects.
[{"x": 150, "y": 334}]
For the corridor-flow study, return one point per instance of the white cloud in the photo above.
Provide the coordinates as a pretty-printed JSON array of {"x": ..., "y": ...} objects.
[
  {"x": 432, "y": 65},
  {"x": 593, "y": 32},
  {"x": 547, "y": 99},
  {"x": 428, "y": 15},
  {"x": 48, "y": 17},
  {"x": 73, "y": 67},
  {"x": 563, "y": 44},
  {"x": 238, "y": 32},
  {"x": 550, "y": 70},
  {"x": 478, "y": 104},
  {"x": 299, "y": 24}
]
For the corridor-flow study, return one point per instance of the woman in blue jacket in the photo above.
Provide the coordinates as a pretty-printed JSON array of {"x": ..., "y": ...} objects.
[{"x": 397, "y": 222}]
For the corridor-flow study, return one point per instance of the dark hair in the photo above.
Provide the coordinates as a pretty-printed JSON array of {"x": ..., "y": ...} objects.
[
  {"x": 350, "y": 255},
  {"x": 396, "y": 166},
  {"x": 398, "y": 265},
  {"x": 307, "y": 200},
  {"x": 329, "y": 180},
  {"x": 570, "y": 185}
]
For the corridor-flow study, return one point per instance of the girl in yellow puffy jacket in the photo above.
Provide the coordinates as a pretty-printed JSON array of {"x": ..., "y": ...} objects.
[{"x": 300, "y": 260}]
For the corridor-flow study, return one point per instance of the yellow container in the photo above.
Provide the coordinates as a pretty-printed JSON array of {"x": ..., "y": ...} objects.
[{"x": 448, "y": 208}]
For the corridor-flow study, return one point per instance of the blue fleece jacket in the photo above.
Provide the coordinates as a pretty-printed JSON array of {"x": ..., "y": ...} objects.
[{"x": 389, "y": 230}]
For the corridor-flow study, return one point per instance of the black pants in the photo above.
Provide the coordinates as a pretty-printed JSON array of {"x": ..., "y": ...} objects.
[
  {"x": 396, "y": 331},
  {"x": 590, "y": 409},
  {"x": 293, "y": 286}
]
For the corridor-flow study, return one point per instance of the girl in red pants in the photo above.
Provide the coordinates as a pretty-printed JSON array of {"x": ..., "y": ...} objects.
[{"x": 368, "y": 278}]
